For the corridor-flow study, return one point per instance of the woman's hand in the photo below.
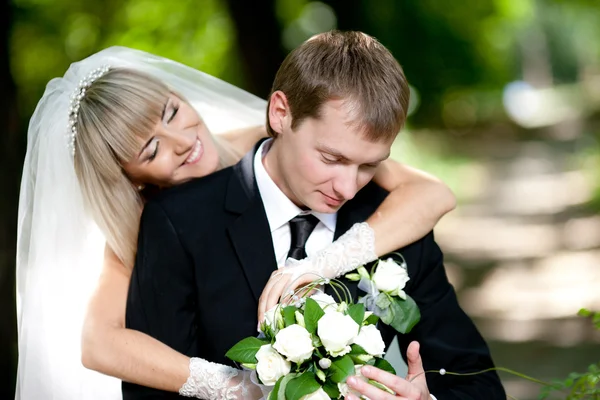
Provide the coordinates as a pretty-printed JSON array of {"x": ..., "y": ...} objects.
[{"x": 283, "y": 283}]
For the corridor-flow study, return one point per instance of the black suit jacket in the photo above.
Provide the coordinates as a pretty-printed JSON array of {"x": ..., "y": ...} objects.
[{"x": 205, "y": 253}]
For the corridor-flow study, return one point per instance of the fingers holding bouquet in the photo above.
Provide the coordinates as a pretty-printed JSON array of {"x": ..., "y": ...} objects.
[
  {"x": 283, "y": 285},
  {"x": 311, "y": 346},
  {"x": 383, "y": 385}
]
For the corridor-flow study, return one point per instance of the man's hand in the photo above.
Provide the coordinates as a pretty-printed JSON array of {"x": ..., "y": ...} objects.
[{"x": 414, "y": 387}]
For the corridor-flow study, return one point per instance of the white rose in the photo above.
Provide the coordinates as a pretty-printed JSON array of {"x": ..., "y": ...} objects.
[
  {"x": 337, "y": 331},
  {"x": 273, "y": 317},
  {"x": 391, "y": 278},
  {"x": 318, "y": 395},
  {"x": 295, "y": 343},
  {"x": 369, "y": 338},
  {"x": 326, "y": 302},
  {"x": 271, "y": 365}
]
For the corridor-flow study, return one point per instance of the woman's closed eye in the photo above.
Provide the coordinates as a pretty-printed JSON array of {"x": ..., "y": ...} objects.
[
  {"x": 171, "y": 113},
  {"x": 154, "y": 152}
]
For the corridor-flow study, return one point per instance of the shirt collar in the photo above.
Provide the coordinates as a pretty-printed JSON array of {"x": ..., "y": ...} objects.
[{"x": 279, "y": 209}]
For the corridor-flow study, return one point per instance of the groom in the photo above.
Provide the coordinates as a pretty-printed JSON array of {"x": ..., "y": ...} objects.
[{"x": 207, "y": 248}]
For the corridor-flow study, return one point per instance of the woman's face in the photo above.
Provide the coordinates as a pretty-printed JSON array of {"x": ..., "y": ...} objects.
[{"x": 180, "y": 148}]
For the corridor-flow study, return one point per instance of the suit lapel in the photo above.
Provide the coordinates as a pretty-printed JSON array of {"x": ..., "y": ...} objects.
[{"x": 250, "y": 233}]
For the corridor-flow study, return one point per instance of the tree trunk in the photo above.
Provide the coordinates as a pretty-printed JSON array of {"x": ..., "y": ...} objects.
[
  {"x": 11, "y": 146},
  {"x": 258, "y": 36}
]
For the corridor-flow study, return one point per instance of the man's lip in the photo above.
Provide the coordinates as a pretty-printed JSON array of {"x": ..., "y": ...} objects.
[{"x": 332, "y": 199}]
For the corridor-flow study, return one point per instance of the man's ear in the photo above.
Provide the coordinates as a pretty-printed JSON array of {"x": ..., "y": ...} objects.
[{"x": 280, "y": 116}]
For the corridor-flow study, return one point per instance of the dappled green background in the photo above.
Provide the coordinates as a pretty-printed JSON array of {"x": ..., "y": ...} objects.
[{"x": 522, "y": 158}]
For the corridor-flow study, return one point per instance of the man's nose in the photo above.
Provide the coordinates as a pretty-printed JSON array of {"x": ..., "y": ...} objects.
[{"x": 346, "y": 184}]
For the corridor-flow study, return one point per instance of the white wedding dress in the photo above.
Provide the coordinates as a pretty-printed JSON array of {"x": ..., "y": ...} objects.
[{"x": 60, "y": 249}]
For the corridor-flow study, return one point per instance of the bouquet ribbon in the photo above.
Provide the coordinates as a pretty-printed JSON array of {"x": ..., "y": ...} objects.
[{"x": 369, "y": 300}]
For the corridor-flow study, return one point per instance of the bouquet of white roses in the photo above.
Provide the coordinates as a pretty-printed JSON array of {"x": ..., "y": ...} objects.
[{"x": 308, "y": 349}]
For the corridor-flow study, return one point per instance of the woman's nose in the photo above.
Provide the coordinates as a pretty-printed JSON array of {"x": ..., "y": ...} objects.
[{"x": 182, "y": 141}]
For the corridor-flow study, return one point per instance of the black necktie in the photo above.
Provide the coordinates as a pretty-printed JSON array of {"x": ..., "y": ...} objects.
[{"x": 300, "y": 228}]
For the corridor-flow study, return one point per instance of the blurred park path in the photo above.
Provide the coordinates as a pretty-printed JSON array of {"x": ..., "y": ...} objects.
[{"x": 523, "y": 252}]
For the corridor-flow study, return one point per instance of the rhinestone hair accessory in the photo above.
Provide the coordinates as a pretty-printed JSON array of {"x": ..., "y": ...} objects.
[{"x": 76, "y": 97}]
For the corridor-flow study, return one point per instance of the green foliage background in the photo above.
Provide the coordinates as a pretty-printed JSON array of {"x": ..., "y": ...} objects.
[{"x": 457, "y": 55}]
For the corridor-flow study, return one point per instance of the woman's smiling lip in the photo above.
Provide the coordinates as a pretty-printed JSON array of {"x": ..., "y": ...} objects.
[{"x": 196, "y": 153}]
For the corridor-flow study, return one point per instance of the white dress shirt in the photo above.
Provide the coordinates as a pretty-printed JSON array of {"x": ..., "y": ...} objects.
[{"x": 280, "y": 210}]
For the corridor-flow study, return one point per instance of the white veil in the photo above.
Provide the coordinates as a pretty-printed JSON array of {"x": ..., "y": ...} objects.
[{"x": 60, "y": 249}]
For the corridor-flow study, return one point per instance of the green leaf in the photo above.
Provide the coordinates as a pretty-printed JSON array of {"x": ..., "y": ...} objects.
[
  {"x": 278, "y": 392},
  {"x": 316, "y": 342},
  {"x": 312, "y": 314},
  {"x": 245, "y": 350},
  {"x": 357, "y": 360},
  {"x": 302, "y": 385},
  {"x": 357, "y": 313},
  {"x": 289, "y": 315},
  {"x": 372, "y": 320},
  {"x": 341, "y": 369},
  {"x": 362, "y": 271},
  {"x": 384, "y": 365},
  {"x": 249, "y": 366},
  {"x": 357, "y": 350},
  {"x": 387, "y": 315},
  {"x": 331, "y": 389},
  {"x": 405, "y": 313},
  {"x": 383, "y": 300},
  {"x": 381, "y": 386},
  {"x": 300, "y": 318},
  {"x": 363, "y": 358},
  {"x": 268, "y": 331},
  {"x": 353, "y": 277},
  {"x": 584, "y": 313},
  {"x": 320, "y": 374}
]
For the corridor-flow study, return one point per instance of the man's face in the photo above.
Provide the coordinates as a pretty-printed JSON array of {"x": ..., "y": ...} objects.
[{"x": 324, "y": 162}]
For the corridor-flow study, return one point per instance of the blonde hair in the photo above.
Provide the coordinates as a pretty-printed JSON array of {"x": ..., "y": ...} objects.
[{"x": 119, "y": 108}]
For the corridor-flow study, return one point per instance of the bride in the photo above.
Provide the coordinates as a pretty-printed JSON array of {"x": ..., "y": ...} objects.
[{"x": 80, "y": 204}]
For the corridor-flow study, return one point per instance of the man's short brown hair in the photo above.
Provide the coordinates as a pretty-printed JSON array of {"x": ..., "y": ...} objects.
[{"x": 352, "y": 66}]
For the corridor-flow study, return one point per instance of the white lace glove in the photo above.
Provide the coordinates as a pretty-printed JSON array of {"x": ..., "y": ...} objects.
[
  {"x": 354, "y": 248},
  {"x": 211, "y": 381}
]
